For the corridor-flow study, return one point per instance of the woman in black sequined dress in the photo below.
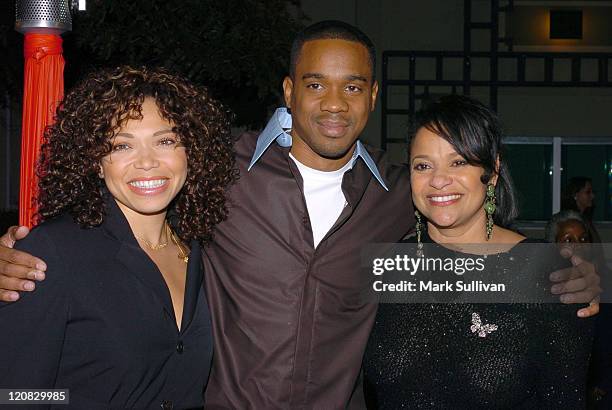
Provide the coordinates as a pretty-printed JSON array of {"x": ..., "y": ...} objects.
[{"x": 474, "y": 355}]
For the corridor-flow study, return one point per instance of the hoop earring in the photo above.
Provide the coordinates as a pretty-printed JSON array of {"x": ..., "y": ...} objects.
[
  {"x": 489, "y": 208},
  {"x": 419, "y": 229}
]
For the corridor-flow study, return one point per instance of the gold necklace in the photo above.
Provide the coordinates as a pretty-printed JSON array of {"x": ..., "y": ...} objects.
[
  {"x": 157, "y": 247},
  {"x": 183, "y": 255}
]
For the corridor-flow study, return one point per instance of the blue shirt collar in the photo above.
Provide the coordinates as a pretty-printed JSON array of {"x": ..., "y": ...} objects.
[{"x": 276, "y": 130}]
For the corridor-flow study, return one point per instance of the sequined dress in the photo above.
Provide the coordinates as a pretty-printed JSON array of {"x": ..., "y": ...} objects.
[{"x": 426, "y": 356}]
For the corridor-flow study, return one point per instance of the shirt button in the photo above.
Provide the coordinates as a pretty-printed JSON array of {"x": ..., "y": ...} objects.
[
  {"x": 179, "y": 347},
  {"x": 167, "y": 405}
]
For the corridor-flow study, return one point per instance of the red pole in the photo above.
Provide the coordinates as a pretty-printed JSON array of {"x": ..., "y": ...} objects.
[{"x": 43, "y": 90}]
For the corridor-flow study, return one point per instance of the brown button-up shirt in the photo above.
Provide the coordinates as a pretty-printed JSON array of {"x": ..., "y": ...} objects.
[{"x": 290, "y": 322}]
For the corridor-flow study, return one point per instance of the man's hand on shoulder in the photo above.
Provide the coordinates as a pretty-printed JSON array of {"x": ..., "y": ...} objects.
[{"x": 18, "y": 270}]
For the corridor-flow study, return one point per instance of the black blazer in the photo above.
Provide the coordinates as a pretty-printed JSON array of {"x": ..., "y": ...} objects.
[{"x": 102, "y": 323}]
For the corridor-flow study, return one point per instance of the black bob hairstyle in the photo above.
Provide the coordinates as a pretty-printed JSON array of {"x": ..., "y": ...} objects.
[{"x": 475, "y": 133}]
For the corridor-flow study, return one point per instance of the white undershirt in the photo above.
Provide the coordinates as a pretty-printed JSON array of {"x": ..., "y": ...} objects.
[{"x": 324, "y": 197}]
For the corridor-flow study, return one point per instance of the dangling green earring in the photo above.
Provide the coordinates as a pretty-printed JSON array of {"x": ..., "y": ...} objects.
[
  {"x": 489, "y": 208},
  {"x": 419, "y": 229}
]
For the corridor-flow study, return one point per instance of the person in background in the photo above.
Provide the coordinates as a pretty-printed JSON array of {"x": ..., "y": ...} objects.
[
  {"x": 578, "y": 196},
  {"x": 122, "y": 319},
  {"x": 567, "y": 227}
]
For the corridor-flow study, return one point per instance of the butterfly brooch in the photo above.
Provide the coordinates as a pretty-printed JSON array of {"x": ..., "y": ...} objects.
[{"x": 477, "y": 326}]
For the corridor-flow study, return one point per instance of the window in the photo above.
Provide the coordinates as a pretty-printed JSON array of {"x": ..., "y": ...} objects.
[
  {"x": 566, "y": 24},
  {"x": 531, "y": 170},
  {"x": 541, "y": 167},
  {"x": 592, "y": 161}
]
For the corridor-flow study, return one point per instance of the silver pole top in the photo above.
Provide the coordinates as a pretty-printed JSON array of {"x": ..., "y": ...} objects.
[{"x": 43, "y": 16}]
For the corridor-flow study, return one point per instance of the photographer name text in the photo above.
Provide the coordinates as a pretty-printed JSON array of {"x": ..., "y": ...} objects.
[{"x": 431, "y": 286}]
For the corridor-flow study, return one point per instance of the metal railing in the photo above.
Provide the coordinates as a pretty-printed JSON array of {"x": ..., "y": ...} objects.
[{"x": 520, "y": 60}]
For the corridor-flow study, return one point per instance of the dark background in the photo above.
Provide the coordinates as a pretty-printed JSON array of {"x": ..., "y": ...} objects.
[{"x": 238, "y": 48}]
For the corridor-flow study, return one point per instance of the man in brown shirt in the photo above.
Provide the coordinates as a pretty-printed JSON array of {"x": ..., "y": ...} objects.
[
  {"x": 290, "y": 316},
  {"x": 290, "y": 313}
]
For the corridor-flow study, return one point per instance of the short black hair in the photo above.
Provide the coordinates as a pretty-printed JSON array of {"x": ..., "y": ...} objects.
[
  {"x": 475, "y": 133},
  {"x": 328, "y": 30}
]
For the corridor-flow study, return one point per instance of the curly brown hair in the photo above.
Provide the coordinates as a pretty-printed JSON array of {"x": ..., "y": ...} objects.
[{"x": 94, "y": 111}]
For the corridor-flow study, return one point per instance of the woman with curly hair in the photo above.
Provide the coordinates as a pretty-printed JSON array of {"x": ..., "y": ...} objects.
[{"x": 132, "y": 181}]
